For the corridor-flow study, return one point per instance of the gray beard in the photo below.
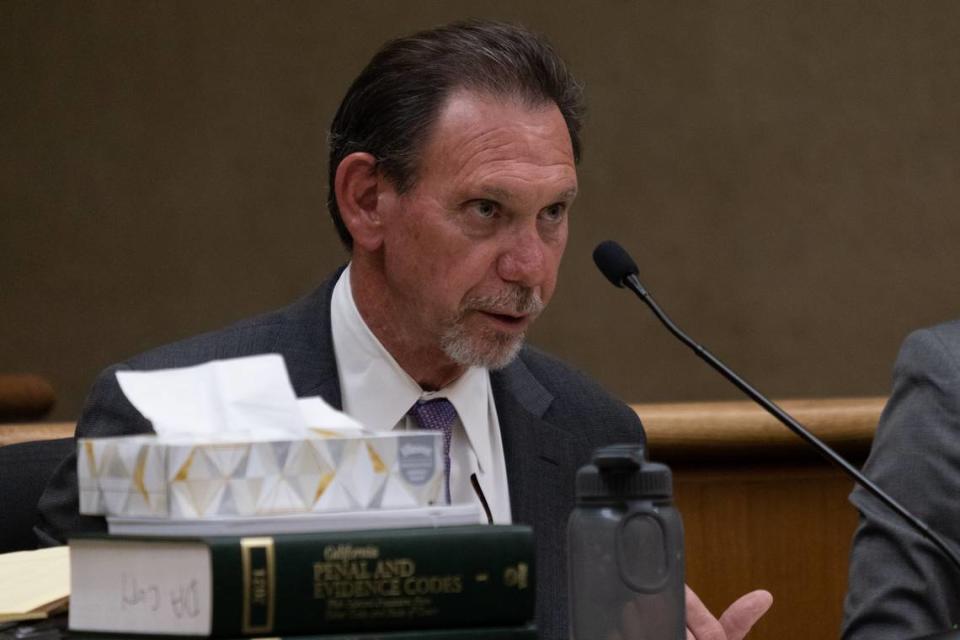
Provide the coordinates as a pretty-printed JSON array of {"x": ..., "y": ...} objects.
[{"x": 489, "y": 349}]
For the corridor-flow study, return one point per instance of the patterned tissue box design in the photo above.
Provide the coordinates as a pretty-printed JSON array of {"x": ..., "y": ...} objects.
[{"x": 139, "y": 476}]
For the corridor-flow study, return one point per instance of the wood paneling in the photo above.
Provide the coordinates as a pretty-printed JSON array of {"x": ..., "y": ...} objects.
[{"x": 781, "y": 521}]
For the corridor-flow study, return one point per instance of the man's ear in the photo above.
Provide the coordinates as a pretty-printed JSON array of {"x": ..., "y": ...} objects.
[{"x": 358, "y": 185}]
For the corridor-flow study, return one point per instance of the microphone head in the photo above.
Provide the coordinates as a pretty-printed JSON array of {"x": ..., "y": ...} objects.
[{"x": 614, "y": 262}]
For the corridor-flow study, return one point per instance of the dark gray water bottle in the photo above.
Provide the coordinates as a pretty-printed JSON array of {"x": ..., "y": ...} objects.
[{"x": 625, "y": 545}]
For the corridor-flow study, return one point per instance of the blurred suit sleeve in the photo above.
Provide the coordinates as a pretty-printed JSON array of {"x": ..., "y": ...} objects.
[{"x": 900, "y": 585}]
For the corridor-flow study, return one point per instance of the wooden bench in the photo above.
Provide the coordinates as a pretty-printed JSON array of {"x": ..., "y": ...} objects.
[
  {"x": 760, "y": 508},
  {"x": 25, "y": 432}
]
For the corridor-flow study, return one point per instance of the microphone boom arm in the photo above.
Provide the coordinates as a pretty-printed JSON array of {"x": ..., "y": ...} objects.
[{"x": 633, "y": 283}]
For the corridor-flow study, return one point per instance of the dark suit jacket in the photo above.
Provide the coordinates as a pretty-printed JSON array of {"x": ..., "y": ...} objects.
[
  {"x": 551, "y": 419},
  {"x": 900, "y": 585}
]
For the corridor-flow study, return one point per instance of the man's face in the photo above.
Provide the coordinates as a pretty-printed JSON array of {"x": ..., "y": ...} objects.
[{"x": 471, "y": 252}]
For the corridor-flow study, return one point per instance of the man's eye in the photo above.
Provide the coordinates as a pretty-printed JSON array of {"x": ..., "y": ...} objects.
[
  {"x": 484, "y": 208},
  {"x": 554, "y": 213}
]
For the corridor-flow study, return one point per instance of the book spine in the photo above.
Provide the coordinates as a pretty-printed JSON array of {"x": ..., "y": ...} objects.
[{"x": 372, "y": 580}]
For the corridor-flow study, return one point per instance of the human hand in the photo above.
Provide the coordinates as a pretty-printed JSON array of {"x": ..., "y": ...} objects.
[{"x": 734, "y": 623}]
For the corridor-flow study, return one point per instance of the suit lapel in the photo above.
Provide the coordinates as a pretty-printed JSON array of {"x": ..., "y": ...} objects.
[
  {"x": 534, "y": 450},
  {"x": 306, "y": 341},
  {"x": 540, "y": 464}
]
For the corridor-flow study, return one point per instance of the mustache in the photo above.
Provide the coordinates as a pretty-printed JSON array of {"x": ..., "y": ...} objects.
[{"x": 514, "y": 300}]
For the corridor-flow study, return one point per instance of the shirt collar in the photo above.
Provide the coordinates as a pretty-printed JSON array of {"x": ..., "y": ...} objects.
[{"x": 378, "y": 393}]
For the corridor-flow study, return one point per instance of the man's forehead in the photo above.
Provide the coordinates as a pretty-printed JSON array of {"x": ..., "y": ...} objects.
[{"x": 474, "y": 131}]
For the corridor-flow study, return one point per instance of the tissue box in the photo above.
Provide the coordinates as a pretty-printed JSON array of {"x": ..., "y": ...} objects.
[{"x": 144, "y": 476}]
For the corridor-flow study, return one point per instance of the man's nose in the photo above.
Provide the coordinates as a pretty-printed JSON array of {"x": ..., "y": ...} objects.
[{"x": 524, "y": 260}]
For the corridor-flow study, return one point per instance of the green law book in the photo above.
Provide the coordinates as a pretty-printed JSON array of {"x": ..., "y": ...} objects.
[
  {"x": 284, "y": 585},
  {"x": 527, "y": 632}
]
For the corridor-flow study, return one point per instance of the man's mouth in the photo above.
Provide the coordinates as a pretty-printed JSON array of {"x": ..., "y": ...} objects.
[
  {"x": 510, "y": 311},
  {"x": 508, "y": 319}
]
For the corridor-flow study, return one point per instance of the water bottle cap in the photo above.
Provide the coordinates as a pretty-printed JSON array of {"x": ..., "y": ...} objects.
[{"x": 620, "y": 471}]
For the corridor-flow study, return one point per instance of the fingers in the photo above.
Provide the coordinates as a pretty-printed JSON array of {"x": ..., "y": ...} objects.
[
  {"x": 701, "y": 625},
  {"x": 734, "y": 624},
  {"x": 740, "y": 617}
]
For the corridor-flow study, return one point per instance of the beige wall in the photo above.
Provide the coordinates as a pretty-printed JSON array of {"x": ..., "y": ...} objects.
[{"x": 785, "y": 172}]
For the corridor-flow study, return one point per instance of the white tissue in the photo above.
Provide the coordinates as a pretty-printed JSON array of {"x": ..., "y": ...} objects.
[{"x": 248, "y": 398}]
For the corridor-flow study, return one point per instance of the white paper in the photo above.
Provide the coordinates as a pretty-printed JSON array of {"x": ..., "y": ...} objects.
[{"x": 248, "y": 398}]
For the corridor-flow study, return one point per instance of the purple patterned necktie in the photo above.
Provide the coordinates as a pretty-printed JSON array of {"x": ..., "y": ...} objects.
[{"x": 437, "y": 415}]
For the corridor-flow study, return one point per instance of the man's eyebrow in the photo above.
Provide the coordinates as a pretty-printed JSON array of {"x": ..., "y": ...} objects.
[
  {"x": 501, "y": 194},
  {"x": 496, "y": 193}
]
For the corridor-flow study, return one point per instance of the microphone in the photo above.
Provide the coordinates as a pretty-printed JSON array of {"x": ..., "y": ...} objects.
[
  {"x": 620, "y": 269},
  {"x": 615, "y": 263}
]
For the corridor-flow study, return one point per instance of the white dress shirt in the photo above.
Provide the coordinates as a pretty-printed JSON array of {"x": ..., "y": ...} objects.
[{"x": 378, "y": 393}]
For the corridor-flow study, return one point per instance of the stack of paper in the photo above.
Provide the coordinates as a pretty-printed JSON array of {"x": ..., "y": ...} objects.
[{"x": 34, "y": 584}]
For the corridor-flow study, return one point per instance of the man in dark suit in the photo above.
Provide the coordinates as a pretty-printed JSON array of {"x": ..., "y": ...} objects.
[
  {"x": 452, "y": 173},
  {"x": 901, "y": 585}
]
